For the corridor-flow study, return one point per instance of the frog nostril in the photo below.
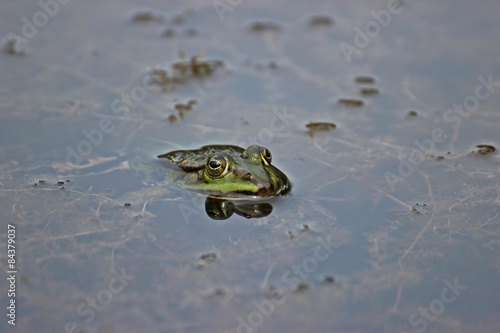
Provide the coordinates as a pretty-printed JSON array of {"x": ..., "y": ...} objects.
[{"x": 247, "y": 176}]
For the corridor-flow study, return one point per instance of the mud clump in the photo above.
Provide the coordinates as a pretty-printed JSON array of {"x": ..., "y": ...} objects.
[
  {"x": 484, "y": 149},
  {"x": 321, "y": 20},
  {"x": 351, "y": 102},
  {"x": 315, "y": 127}
]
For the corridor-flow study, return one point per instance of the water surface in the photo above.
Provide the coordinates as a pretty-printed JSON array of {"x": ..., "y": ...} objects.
[{"x": 393, "y": 221}]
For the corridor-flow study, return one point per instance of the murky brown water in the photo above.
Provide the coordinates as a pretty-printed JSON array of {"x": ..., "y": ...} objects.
[{"x": 373, "y": 109}]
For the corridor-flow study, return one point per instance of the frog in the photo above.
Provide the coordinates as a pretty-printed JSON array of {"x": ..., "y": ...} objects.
[{"x": 229, "y": 172}]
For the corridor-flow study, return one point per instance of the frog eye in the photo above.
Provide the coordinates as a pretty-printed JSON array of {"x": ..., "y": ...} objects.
[
  {"x": 266, "y": 155},
  {"x": 217, "y": 166}
]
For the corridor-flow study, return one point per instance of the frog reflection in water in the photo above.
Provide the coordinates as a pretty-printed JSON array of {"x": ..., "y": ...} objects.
[{"x": 230, "y": 172}]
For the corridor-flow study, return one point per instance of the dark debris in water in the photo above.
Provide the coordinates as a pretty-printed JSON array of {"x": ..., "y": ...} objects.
[
  {"x": 364, "y": 79},
  {"x": 182, "y": 17},
  {"x": 221, "y": 294},
  {"x": 217, "y": 292},
  {"x": 181, "y": 108},
  {"x": 305, "y": 227},
  {"x": 271, "y": 64},
  {"x": 274, "y": 292},
  {"x": 205, "y": 258},
  {"x": 54, "y": 183},
  {"x": 209, "y": 256},
  {"x": 40, "y": 182},
  {"x": 365, "y": 91},
  {"x": 265, "y": 26},
  {"x": 168, "y": 32},
  {"x": 171, "y": 32},
  {"x": 301, "y": 287},
  {"x": 412, "y": 113},
  {"x": 172, "y": 118},
  {"x": 14, "y": 47},
  {"x": 419, "y": 208},
  {"x": 315, "y": 127},
  {"x": 192, "y": 32},
  {"x": 321, "y": 20},
  {"x": 485, "y": 149},
  {"x": 147, "y": 16},
  {"x": 368, "y": 91},
  {"x": 186, "y": 106},
  {"x": 328, "y": 279},
  {"x": 351, "y": 102},
  {"x": 184, "y": 70}
]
